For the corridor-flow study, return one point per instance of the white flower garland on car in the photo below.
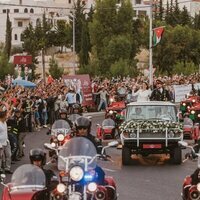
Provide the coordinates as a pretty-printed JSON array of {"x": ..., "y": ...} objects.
[{"x": 155, "y": 125}]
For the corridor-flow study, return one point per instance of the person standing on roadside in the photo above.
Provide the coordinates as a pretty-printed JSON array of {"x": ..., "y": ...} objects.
[
  {"x": 103, "y": 98},
  {"x": 4, "y": 142}
]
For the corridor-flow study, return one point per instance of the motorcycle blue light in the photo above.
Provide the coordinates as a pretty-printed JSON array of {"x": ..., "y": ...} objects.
[{"x": 88, "y": 177}]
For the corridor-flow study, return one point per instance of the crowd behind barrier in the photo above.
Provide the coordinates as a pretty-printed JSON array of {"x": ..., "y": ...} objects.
[{"x": 39, "y": 107}]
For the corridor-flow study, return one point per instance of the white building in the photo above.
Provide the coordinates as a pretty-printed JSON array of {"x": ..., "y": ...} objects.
[
  {"x": 23, "y": 12},
  {"x": 142, "y": 7}
]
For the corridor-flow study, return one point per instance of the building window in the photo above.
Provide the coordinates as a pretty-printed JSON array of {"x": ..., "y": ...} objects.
[
  {"x": 4, "y": 10},
  {"x": 20, "y": 24},
  {"x": 25, "y": 10},
  {"x": 83, "y": 3},
  {"x": 31, "y": 10},
  {"x": 38, "y": 21},
  {"x": 69, "y": 1},
  {"x": 138, "y": 2},
  {"x": 20, "y": 2},
  {"x": 16, "y": 10},
  {"x": 15, "y": 36}
]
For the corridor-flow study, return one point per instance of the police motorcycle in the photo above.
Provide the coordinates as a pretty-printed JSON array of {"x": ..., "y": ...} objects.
[
  {"x": 191, "y": 184},
  {"x": 77, "y": 164},
  {"x": 106, "y": 130},
  {"x": 60, "y": 134},
  {"x": 28, "y": 182}
]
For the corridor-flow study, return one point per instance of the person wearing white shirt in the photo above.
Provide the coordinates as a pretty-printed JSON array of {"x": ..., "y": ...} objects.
[
  {"x": 143, "y": 93},
  {"x": 4, "y": 142}
]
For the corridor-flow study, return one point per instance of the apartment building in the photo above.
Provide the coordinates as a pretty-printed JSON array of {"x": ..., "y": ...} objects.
[{"x": 23, "y": 12}]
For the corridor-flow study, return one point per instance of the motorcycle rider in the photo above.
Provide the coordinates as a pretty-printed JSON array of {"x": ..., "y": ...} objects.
[
  {"x": 77, "y": 109},
  {"x": 63, "y": 115},
  {"x": 83, "y": 128},
  {"x": 38, "y": 157}
]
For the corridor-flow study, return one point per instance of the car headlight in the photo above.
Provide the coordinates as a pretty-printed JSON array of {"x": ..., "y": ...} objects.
[
  {"x": 60, "y": 137},
  {"x": 171, "y": 134},
  {"x": 92, "y": 187},
  {"x": 53, "y": 144},
  {"x": 61, "y": 187},
  {"x": 193, "y": 112},
  {"x": 76, "y": 173},
  {"x": 133, "y": 135},
  {"x": 198, "y": 187}
]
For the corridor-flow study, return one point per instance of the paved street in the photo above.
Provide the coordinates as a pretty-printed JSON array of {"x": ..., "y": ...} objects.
[{"x": 152, "y": 178}]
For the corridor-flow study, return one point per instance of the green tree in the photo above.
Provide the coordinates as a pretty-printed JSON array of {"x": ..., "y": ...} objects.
[
  {"x": 111, "y": 24},
  {"x": 55, "y": 71},
  {"x": 161, "y": 10},
  {"x": 85, "y": 46},
  {"x": 8, "y": 36},
  {"x": 196, "y": 21},
  {"x": 5, "y": 67},
  {"x": 185, "y": 18}
]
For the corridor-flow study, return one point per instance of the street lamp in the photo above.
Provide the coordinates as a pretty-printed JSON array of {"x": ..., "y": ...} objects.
[{"x": 74, "y": 52}]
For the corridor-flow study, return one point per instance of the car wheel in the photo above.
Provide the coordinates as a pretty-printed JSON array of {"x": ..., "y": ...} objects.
[
  {"x": 126, "y": 156},
  {"x": 176, "y": 156}
]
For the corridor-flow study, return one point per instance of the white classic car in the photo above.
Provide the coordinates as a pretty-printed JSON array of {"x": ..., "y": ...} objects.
[{"x": 151, "y": 127}]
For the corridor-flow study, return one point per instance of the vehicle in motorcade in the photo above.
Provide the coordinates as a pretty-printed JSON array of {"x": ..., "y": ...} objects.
[
  {"x": 77, "y": 165},
  {"x": 151, "y": 127},
  {"x": 191, "y": 188},
  {"x": 191, "y": 132},
  {"x": 189, "y": 102},
  {"x": 60, "y": 133},
  {"x": 106, "y": 130},
  {"x": 28, "y": 182}
]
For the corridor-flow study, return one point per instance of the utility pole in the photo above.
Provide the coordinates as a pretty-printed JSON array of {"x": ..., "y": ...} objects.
[
  {"x": 74, "y": 52},
  {"x": 150, "y": 45},
  {"x": 43, "y": 66}
]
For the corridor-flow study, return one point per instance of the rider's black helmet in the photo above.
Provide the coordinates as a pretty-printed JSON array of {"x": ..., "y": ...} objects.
[
  {"x": 63, "y": 111},
  {"x": 37, "y": 155},
  {"x": 83, "y": 122}
]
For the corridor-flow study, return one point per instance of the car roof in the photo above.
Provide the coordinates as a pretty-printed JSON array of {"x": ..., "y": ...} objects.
[{"x": 151, "y": 103}]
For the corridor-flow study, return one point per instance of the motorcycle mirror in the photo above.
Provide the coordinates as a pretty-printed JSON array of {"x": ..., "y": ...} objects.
[
  {"x": 113, "y": 143},
  {"x": 3, "y": 176},
  {"x": 183, "y": 143},
  {"x": 48, "y": 146}
]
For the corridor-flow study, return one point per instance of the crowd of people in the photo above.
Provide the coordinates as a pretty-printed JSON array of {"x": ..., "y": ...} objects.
[{"x": 30, "y": 109}]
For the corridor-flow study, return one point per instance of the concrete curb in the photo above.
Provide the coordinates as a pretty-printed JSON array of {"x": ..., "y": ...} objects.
[{"x": 94, "y": 114}]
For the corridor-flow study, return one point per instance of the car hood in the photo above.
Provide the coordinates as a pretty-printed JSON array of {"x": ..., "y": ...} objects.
[{"x": 150, "y": 124}]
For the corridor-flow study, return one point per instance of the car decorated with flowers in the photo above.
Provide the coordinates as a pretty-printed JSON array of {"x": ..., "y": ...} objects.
[{"x": 151, "y": 127}]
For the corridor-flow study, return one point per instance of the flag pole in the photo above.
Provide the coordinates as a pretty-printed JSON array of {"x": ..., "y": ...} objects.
[{"x": 150, "y": 46}]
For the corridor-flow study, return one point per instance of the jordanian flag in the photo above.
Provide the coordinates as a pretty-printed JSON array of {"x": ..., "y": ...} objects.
[{"x": 157, "y": 35}]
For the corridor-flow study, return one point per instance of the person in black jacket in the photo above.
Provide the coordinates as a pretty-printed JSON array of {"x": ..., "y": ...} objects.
[
  {"x": 83, "y": 128},
  {"x": 38, "y": 157},
  {"x": 160, "y": 93}
]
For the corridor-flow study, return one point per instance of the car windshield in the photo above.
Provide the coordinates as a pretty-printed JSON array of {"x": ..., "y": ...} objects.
[
  {"x": 108, "y": 122},
  {"x": 75, "y": 152},
  {"x": 60, "y": 126},
  {"x": 28, "y": 176},
  {"x": 150, "y": 112}
]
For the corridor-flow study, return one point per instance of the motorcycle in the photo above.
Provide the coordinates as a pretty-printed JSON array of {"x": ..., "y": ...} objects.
[
  {"x": 28, "y": 182},
  {"x": 106, "y": 130},
  {"x": 60, "y": 134},
  {"x": 191, "y": 191},
  {"x": 77, "y": 162}
]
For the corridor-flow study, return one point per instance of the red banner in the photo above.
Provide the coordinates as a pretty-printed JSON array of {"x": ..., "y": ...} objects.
[
  {"x": 20, "y": 60},
  {"x": 82, "y": 85}
]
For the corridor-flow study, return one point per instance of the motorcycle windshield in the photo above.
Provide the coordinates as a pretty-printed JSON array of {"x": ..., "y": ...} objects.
[
  {"x": 108, "y": 122},
  {"x": 60, "y": 126},
  {"x": 78, "y": 151},
  {"x": 28, "y": 177},
  {"x": 73, "y": 117}
]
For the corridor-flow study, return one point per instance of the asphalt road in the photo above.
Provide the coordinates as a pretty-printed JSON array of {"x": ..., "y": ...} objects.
[{"x": 152, "y": 178}]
